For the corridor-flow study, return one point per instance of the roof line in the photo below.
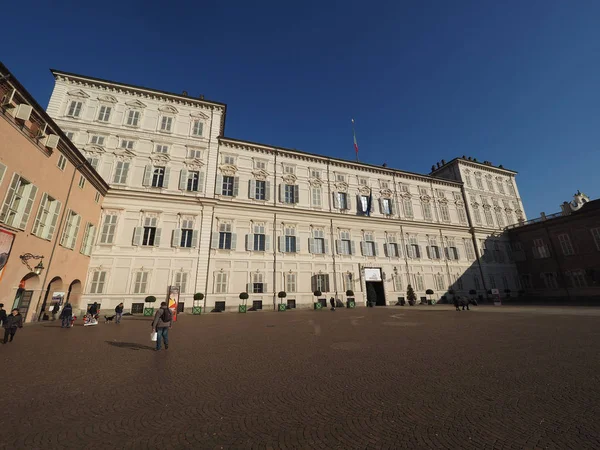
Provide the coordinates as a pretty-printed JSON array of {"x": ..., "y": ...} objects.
[
  {"x": 345, "y": 161},
  {"x": 56, "y": 72},
  {"x": 473, "y": 162}
]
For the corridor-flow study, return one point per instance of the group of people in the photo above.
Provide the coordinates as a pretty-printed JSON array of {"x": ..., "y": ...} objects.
[{"x": 10, "y": 322}]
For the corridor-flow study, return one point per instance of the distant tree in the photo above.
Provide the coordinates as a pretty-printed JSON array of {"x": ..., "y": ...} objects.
[{"x": 410, "y": 294}]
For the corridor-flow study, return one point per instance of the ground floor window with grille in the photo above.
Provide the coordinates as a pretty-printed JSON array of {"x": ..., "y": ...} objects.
[
  {"x": 320, "y": 282},
  {"x": 577, "y": 278},
  {"x": 137, "y": 308},
  {"x": 291, "y": 303},
  {"x": 256, "y": 304},
  {"x": 219, "y": 306}
]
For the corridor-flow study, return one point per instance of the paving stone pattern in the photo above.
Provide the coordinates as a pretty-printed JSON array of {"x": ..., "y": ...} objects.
[{"x": 351, "y": 379}]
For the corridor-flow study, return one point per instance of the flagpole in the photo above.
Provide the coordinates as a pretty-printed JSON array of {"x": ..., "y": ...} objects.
[{"x": 355, "y": 142}]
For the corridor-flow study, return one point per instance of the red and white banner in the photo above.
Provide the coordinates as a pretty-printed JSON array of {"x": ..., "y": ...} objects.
[
  {"x": 173, "y": 301},
  {"x": 6, "y": 242}
]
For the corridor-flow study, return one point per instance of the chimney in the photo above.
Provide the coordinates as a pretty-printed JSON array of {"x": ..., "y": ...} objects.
[
  {"x": 470, "y": 159},
  {"x": 438, "y": 164},
  {"x": 443, "y": 162},
  {"x": 184, "y": 93},
  {"x": 201, "y": 96},
  {"x": 543, "y": 215},
  {"x": 433, "y": 168},
  {"x": 566, "y": 209},
  {"x": 384, "y": 164}
]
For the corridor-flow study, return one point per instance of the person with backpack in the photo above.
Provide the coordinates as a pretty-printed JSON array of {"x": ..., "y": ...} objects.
[
  {"x": 118, "y": 313},
  {"x": 65, "y": 316},
  {"x": 163, "y": 320}
]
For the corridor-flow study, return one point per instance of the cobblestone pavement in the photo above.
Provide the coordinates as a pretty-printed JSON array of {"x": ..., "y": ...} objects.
[{"x": 351, "y": 379}]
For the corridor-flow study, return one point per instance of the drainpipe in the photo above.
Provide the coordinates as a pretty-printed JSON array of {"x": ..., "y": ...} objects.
[
  {"x": 275, "y": 233},
  {"x": 57, "y": 231},
  {"x": 212, "y": 224},
  {"x": 333, "y": 258}
]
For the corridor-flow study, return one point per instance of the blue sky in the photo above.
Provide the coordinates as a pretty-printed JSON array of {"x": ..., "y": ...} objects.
[{"x": 513, "y": 82}]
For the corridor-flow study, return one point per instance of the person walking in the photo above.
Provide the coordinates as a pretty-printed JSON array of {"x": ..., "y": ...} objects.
[
  {"x": 332, "y": 303},
  {"x": 66, "y": 316},
  {"x": 2, "y": 313},
  {"x": 456, "y": 302},
  {"x": 118, "y": 313},
  {"x": 10, "y": 325},
  {"x": 163, "y": 320},
  {"x": 55, "y": 310}
]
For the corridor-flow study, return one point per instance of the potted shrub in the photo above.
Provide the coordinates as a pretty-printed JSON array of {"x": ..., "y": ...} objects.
[
  {"x": 429, "y": 292},
  {"x": 149, "y": 310},
  {"x": 411, "y": 296},
  {"x": 197, "y": 309},
  {"x": 281, "y": 295},
  {"x": 350, "y": 302},
  {"x": 317, "y": 304},
  {"x": 244, "y": 305}
]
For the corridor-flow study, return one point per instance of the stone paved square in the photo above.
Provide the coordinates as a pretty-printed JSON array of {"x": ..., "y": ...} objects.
[{"x": 421, "y": 377}]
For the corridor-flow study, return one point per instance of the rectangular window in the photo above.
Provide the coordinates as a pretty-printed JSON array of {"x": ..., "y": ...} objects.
[
  {"x": 453, "y": 253},
  {"x": 462, "y": 215},
  {"x": 362, "y": 181},
  {"x": 314, "y": 173},
  {"x": 469, "y": 250},
  {"x": 290, "y": 282},
  {"x": 345, "y": 245},
  {"x": 228, "y": 186},
  {"x": 97, "y": 140},
  {"x": 318, "y": 242},
  {"x": 166, "y": 123},
  {"x": 468, "y": 180},
  {"x": 289, "y": 169},
  {"x": 340, "y": 178},
  {"x": 121, "y": 172},
  {"x": 158, "y": 177},
  {"x": 368, "y": 245},
  {"x": 259, "y": 238},
  {"x": 62, "y": 162},
  {"x": 492, "y": 281},
  {"x": 488, "y": 216},
  {"x": 290, "y": 240},
  {"x": 192, "y": 181},
  {"x": 565, "y": 244},
  {"x": 577, "y": 278},
  {"x": 133, "y": 118},
  {"x": 97, "y": 284},
  {"x": 18, "y": 203},
  {"x": 107, "y": 235},
  {"x": 384, "y": 184},
  {"x": 181, "y": 281},
  {"x": 540, "y": 250},
  {"x": 260, "y": 165},
  {"x": 161, "y": 148},
  {"x": 97, "y": 197},
  {"x": 393, "y": 250},
  {"x": 149, "y": 236},
  {"x": 444, "y": 212},
  {"x": 419, "y": 282},
  {"x": 550, "y": 280},
  {"x": 81, "y": 181},
  {"x": 258, "y": 285},
  {"x": 227, "y": 159},
  {"x": 104, "y": 113},
  {"x": 500, "y": 218},
  {"x": 141, "y": 283},
  {"x": 438, "y": 280},
  {"x": 69, "y": 236},
  {"x": 320, "y": 282},
  {"x": 75, "y": 109},
  {"x": 596, "y": 236},
  {"x": 477, "y": 215},
  {"x": 93, "y": 162},
  {"x": 412, "y": 248},
  {"x": 197, "y": 128},
  {"x": 47, "y": 218},
  {"x": 187, "y": 234},
  {"x": 88, "y": 239},
  {"x": 70, "y": 135},
  {"x": 260, "y": 192},
  {"x": 127, "y": 144},
  {"x": 479, "y": 181},
  {"x": 342, "y": 200},
  {"x": 397, "y": 279},
  {"x": 290, "y": 193},
  {"x": 195, "y": 154},
  {"x": 426, "y": 210},
  {"x": 489, "y": 183},
  {"x": 221, "y": 283},
  {"x": 316, "y": 194},
  {"x": 408, "y": 208},
  {"x": 225, "y": 236},
  {"x": 500, "y": 186}
]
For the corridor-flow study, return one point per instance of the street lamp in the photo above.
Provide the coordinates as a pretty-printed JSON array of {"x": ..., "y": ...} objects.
[{"x": 37, "y": 269}]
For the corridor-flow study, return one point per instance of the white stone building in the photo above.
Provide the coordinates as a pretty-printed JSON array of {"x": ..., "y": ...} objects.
[{"x": 221, "y": 216}]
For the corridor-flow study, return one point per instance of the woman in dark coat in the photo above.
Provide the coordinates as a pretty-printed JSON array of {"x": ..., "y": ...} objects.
[
  {"x": 66, "y": 316},
  {"x": 10, "y": 325}
]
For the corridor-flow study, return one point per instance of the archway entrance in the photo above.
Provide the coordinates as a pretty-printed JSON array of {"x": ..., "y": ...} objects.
[
  {"x": 374, "y": 286},
  {"x": 55, "y": 286},
  {"x": 74, "y": 294},
  {"x": 24, "y": 295}
]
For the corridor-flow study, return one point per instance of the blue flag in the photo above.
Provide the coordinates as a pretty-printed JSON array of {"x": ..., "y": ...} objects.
[{"x": 369, "y": 202}]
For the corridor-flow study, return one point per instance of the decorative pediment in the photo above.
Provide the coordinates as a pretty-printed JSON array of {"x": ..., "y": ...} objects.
[
  {"x": 94, "y": 150},
  {"x": 475, "y": 205},
  {"x": 459, "y": 203},
  {"x": 135, "y": 104},
  {"x": 289, "y": 178},
  {"x": 107, "y": 98},
  {"x": 443, "y": 200},
  {"x": 198, "y": 115},
  {"x": 168, "y": 109},
  {"x": 341, "y": 186},
  {"x": 487, "y": 207},
  {"x": 315, "y": 182},
  {"x": 228, "y": 170},
  {"x": 364, "y": 190},
  {"x": 260, "y": 174},
  {"x": 386, "y": 193},
  {"x": 194, "y": 164},
  {"x": 78, "y": 93},
  {"x": 160, "y": 158},
  {"x": 405, "y": 195},
  {"x": 124, "y": 154},
  {"x": 425, "y": 197}
]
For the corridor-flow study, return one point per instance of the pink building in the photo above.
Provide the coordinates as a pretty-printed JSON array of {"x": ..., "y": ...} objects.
[{"x": 51, "y": 199}]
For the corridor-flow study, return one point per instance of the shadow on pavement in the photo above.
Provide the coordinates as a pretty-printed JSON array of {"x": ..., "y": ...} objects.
[{"x": 129, "y": 345}]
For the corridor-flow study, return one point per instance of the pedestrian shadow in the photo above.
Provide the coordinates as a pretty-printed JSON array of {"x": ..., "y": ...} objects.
[{"x": 129, "y": 345}]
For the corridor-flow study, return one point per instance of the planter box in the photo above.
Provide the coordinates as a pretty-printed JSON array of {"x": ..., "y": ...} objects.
[
  {"x": 148, "y": 312},
  {"x": 281, "y": 307},
  {"x": 350, "y": 304},
  {"x": 242, "y": 308},
  {"x": 317, "y": 305},
  {"x": 197, "y": 310}
]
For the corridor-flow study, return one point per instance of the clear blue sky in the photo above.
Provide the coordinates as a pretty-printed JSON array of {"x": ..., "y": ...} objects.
[{"x": 513, "y": 82}]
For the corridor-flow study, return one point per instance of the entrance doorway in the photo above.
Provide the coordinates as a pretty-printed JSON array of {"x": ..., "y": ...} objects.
[
  {"x": 374, "y": 286},
  {"x": 24, "y": 295}
]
